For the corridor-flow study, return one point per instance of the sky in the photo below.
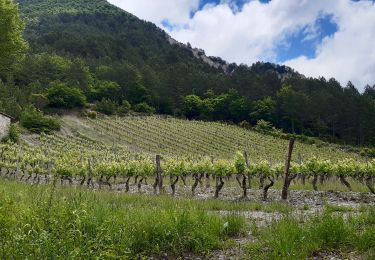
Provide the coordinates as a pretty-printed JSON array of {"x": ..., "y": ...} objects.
[{"x": 329, "y": 38}]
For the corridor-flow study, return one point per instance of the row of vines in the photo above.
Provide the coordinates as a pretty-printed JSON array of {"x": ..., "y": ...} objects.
[{"x": 82, "y": 162}]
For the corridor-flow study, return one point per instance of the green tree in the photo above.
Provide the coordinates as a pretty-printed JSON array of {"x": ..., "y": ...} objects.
[
  {"x": 35, "y": 121},
  {"x": 106, "y": 106},
  {"x": 144, "y": 108},
  {"x": 61, "y": 96},
  {"x": 264, "y": 109},
  {"x": 124, "y": 108},
  {"x": 292, "y": 104},
  {"x": 192, "y": 106},
  {"x": 12, "y": 44}
]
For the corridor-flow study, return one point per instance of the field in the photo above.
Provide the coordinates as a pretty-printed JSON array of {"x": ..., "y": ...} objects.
[
  {"x": 171, "y": 136},
  {"x": 97, "y": 191}
]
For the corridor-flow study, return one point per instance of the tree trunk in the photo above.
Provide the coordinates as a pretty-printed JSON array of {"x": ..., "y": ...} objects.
[
  {"x": 173, "y": 183},
  {"x": 267, "y": 187},
  {"x": 244, "y": 186},
  {"x": 127, "y": 184},
  {"x": 345, "y": 182},
  {"x": 314, "y": 182},
  {"x": 195, "y": 184},
  {"x": 321, "y": 179},
  {"x": 219, "y": 186}
]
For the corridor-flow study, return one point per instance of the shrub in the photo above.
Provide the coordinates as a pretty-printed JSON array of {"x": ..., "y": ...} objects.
[
  {"x": 34, "y": 120},
  {"x": 62, "y": 96},
  {"x": 92, "y": 114},
  {"x": 144, "y": 108},
  {"x": 245, "y": 124},
  {"x": 13, "y": 135},
  {"x": 263, "y": 126},
  {"x": 40, "y": 101},
  {"x": 106, "y": 106},
  {"x": 124, "y": 108}
]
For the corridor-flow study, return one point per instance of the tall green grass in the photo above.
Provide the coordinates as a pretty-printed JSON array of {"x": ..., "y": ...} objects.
[
  {"x": 329, "y": 232},
  {"x": 43, "y": 222}
]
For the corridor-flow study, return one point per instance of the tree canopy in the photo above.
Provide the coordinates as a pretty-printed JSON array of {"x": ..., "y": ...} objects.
[{"x": 12, "y": 44}]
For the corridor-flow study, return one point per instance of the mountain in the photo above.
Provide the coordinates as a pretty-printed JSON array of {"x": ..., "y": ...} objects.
[
  {"x": 110, "y": 53},
  {"x": 104, "y": 34}
]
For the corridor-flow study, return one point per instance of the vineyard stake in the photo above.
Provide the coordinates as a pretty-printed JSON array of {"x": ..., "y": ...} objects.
[
  {"x": 159, "y": 174},
  {"x": 287, "y": 179}
]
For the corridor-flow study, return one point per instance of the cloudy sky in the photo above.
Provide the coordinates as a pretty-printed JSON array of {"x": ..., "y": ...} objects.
[{"x": 330, "y": 38}]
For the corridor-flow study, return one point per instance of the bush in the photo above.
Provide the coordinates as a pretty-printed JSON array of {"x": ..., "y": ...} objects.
[
  {"x": 92, "y": 114},
  {"x": 368, "y": 152},
  {"x": 34, "y": 120},
  {"x": 40, "y": 101},
  {"x": 245, "y": 124},
  {"x": 106, "y": 106},
  {"x": 263, "y": 126},
  {"x": 144, "y": 108},
  {"x": 124, "y": 108},
  {"x": 62, "y": 96},
  {"x": 13, "y": 135}
]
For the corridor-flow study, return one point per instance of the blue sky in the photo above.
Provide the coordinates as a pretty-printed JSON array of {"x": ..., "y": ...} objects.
[
  {"x": 329, "y": 38},
  {"x": 297, "y": 43}
]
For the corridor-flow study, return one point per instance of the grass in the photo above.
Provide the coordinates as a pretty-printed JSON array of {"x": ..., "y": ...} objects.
[
  {"x": 43, "y": 222},
  {"x": 328, "y": 232},
  {"x": 64, "y": 222}
]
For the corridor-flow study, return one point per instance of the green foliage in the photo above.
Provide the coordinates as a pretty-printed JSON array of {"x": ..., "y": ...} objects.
[
  {"x": 92, "y": 114},
  {"x": 106, "y": 106},
  {"x": 12, "y": 44},
  {"x": 124, "y": 108},
  {"x": 263, "y": 126},
  {"x": 192, "y": 106},
  {"x": 13, "y": 134},
  {"x": 289, "y": 239},
  {"x": 45, "y": 222},
  {"x": 104, "y": 89},
  {"x": 10, "y": 106},
  {"x": 34, "y": 120},
  {"x": 40, "y": 101},
  {"x": 61, "y": 96},
  {"x": 264, "y": 109},
  {"x": 144, "y": 108}
]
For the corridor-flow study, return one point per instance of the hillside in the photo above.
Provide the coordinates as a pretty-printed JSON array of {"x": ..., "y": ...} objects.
[
  {"x": 169, "y": 136},
  {"x": 109, "y": 54}
]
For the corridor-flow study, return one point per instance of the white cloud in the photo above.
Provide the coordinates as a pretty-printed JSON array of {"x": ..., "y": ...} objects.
[
  {"x": 254, "y": 32},
  {"x": 176, "y": 11},
  {"x": 350, "y": 53}
]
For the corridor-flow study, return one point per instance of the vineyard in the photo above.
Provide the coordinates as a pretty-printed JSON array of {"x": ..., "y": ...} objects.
[
  {"x": 108, "y": 152},
  {"x": 189, "y": 165}
]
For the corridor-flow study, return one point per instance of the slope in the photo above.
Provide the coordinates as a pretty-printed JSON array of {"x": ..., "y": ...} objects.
[{"x": 169, "y": 136}]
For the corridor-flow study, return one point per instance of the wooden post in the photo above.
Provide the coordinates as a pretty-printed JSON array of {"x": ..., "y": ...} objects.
[
  {"x": 284, "y": 194},
  {"x": 248, "y": 165},
  {"x": 159, "y": 174}
]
